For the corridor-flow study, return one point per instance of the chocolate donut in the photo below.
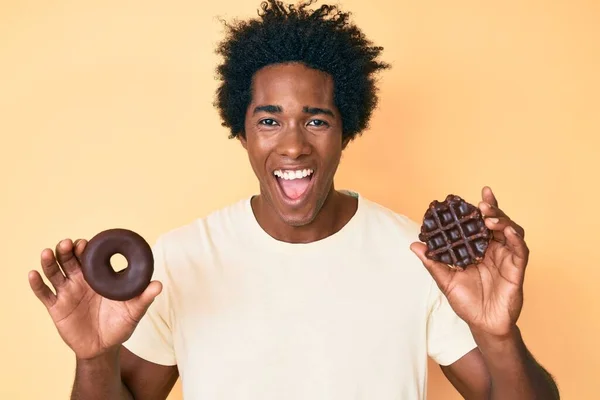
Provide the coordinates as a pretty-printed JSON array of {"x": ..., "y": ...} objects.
[{"x": 99, "y": 273}]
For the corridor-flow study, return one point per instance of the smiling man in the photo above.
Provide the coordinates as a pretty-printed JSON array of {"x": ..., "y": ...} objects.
[
  {"x": 293, "y": 133},
  {"x": 302, "y": 291}
]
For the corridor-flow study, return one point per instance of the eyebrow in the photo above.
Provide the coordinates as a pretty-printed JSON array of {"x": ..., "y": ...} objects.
[
  {"x": 317, "y": 110},
  {"x": 278, "y": 109},
  {"x": 269, "y": 108}
]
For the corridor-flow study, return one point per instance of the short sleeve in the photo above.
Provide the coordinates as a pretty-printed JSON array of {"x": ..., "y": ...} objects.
[
  {"x": 448, "y": 336},
  {"x": 152, "y": 339}
]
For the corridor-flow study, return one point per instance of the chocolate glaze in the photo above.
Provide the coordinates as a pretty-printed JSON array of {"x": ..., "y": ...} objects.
[
  {"x": 455, "y": 232},
  {"x": 99, "y": 273}
]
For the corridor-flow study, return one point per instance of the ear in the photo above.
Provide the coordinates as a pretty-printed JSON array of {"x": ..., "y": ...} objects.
[
  {"x": 345, "y": 143},
  {"x": 242, "y": 138}
]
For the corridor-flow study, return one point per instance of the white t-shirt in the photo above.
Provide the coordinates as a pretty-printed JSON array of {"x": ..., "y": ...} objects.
[{"x": 246, "y": 317}]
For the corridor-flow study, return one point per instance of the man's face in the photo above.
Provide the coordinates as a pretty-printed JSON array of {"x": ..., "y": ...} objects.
[{"x": 294, "y": 139}]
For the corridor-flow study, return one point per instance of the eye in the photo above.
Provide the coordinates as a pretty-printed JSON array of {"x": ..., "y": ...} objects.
[
  {"x": 267, "y": 122},
  {"x": 318, "y": 122}
]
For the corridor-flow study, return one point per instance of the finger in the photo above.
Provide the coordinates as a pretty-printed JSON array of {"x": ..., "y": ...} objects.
[
  {"x": 40, "y": 289},
  {"x": 494, "y": 215},
  {"x": 139, "y": 305},
  {"x": 497, "y": 220},
  {"x": 497, "y": 225},
  {"x": 517, "y": 246},
  {"x": 488, "y": 196},
  {"x": 51, "y": 269},
  {"x": 490, "y": 211},
  {"x": 66, "y": 257},
  {"x": 79, "y": 247},
  {"x": 440, "y": 272}
]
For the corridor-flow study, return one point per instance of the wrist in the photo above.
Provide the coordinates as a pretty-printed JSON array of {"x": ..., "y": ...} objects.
[
  {"x": 500, "y": 351},
  {"x": 108, "y": 357},
  {"x": 509, "y": 337}
]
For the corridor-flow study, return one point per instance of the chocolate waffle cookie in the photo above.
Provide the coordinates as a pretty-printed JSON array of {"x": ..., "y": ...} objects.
[{"x": 454, "y": 232}]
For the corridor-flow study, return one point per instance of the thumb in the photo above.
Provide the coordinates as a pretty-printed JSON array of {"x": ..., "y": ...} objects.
[
  {"x": 140, "y": 304},
  {"x": 439, "y": 271}
]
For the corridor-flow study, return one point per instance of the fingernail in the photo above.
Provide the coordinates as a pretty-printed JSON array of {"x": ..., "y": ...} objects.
[
  {"x": 494, "y": 220},
  {"x": 512, "y": 230}
]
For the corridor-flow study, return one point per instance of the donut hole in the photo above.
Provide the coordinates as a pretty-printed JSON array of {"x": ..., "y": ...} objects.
[{"x": 118, "y": 262}]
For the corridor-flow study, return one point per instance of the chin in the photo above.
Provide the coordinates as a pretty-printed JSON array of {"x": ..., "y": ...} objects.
[{"x": 297, "y": 220}]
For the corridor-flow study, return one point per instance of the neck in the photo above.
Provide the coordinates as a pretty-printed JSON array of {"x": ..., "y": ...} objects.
[{"x": 334, "y": 214}]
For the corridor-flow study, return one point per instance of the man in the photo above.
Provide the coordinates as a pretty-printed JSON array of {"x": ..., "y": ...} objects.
[{"x": 303, "y": 291}]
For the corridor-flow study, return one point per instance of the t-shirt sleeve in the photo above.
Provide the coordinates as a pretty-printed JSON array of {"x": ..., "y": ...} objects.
[
  {"x": 152, "y": 339},
  {"x": 448, "y": 336}
]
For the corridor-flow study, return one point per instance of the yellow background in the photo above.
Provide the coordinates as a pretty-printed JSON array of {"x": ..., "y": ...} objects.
[{"x": 106, "y": 120}]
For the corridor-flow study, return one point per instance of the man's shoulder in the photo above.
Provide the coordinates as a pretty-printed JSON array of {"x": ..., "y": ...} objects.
[
  {"x": 387, "y": 220},
  {"x": 388, "y": 235},
  {"x": 219, "y": 224}
]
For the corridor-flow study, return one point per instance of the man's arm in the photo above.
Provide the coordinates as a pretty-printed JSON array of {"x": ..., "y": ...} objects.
[
  {"x": 488, "y": 297},
  {"x": 501, "y": 369},
  {"x": 121, "y": 375}
]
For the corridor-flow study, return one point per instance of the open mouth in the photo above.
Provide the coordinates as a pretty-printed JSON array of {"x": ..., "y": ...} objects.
[{"x": 294, "y": 184}]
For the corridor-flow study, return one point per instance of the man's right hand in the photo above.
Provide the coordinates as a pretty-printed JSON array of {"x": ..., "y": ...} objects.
[{"x": 90, "y": 324}]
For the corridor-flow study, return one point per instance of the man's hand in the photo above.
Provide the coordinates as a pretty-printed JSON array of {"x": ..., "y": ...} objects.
[
  {"x": 90, "y": 324},
  {"x": 487, "y": 296}
]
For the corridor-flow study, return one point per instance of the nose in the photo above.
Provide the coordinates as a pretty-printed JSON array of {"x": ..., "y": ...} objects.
[{"x": 293, "y": 143}]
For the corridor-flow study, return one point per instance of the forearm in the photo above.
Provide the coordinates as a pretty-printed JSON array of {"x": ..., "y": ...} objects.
[
  {"x": 515, "y": 374},
  {"x": 100, "y": 379}
]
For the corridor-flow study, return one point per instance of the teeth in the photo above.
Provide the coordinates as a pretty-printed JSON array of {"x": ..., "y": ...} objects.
[{"x": 292, "y": 174}]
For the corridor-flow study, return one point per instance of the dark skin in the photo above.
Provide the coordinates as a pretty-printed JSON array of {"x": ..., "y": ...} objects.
[
  {"x": 94, "y": 328},
  {"x": 292, "y": 122}
]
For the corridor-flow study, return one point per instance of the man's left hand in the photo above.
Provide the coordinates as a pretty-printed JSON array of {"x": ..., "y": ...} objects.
[{"x": 487, "y": 296}]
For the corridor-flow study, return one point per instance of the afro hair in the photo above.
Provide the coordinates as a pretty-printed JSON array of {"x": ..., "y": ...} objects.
[{"x": 322, "y": 39}]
